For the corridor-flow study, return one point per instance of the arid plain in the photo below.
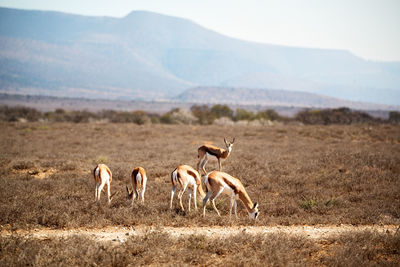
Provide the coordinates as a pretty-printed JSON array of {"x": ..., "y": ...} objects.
[{"x": 320, "y": 176}]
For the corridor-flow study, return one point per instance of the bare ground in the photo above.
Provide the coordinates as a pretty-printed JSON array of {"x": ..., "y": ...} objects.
[{"x": 120, "y": 234}]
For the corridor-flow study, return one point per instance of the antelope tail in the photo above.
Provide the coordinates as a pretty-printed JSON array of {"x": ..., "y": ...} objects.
[
  {"x": 138, "y": 180},
  {"x": 174, "y": 177},
  {"x": 94, "y": 172}
]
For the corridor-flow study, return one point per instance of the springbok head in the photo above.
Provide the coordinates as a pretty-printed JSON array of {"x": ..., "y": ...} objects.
[
  {"x": 228, "y": 144},
  {"x": 254, "y": 213},
  {"x": 129, "y": 195}
]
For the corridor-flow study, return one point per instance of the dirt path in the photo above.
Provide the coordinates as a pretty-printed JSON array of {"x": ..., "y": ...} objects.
[{"x": 120, "y": 234}]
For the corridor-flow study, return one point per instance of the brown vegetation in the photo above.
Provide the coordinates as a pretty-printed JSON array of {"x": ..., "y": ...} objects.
[
  {"x": 298, "y": 174},
  {"x": 334, "y": 116},
  {"x": 157, "y": 248},
  {"x": 198, "y": 114}
]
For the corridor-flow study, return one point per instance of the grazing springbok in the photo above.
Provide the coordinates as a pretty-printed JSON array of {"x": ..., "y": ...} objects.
[
  {"x": 138, "y": 180},
  {"x": 219, "y": 153},
  {"x": 220, "y": 182},
  {"x": 186, "y": 176},
  {"x": 102, "y": 176}
]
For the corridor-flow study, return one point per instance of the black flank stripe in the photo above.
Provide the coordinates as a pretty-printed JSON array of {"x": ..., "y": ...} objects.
[{"x": 211, "y": 153}]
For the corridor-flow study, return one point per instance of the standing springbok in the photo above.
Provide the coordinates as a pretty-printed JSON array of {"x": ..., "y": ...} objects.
[
  {"x": 138, "y": 180},
  {"x": 219, "y": 153},
  {"x": 221, "y": 182},
  {"x": 186, "y": 176},
  {"x": 102, "y": 176}
]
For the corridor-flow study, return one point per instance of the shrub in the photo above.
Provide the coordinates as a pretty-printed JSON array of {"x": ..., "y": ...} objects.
[
  {"x": 222, "y": 111},
  {"x": 166, "y": 118},
  {"x": 81, "y": 116},
  {"x": 140, "y": 117},
  {"x": 60, "y": 115},
  {"x": 394, "y": 117},
  {"x": 17, "y": 113},
  {"x": 203, "y": 114},
  {"x": 242, "y": 114},
  {"x": 121, "y": 117},
  {"x": 334, "y": 116},
  {"x": 180, "y": 116},
  {"x": 223, "y": 121}
]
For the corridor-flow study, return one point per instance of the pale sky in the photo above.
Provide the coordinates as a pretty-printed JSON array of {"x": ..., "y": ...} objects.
[{"x": 367, "y": 28}]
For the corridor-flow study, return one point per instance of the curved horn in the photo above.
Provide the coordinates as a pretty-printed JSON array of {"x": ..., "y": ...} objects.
[
  {"x": 225, "y": 141},
  {"x": 233, "y": 141},
  {"x": 127, "y": 190},
  {"x": 113, "y": 194}
]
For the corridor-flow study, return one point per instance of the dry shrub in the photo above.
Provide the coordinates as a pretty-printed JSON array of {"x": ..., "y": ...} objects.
[
  {"x": 204, "y": 114},
  {"x": 17, "y": 113},
  {"x": 224, "y": 121},
  {"x": 201, "y": 114},
  {"x": 334, "y": 116},
  {"x": 178, "y": 116},
  {"x": 394, "y": 117},
  {"x": 23, "y": 165},
  {"x": 156, "y": 248},
  {"x": 357, "y": 249}
]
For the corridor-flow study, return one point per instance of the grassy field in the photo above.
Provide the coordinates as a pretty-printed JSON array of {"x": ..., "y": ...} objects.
[
  {"x": 361, "y": 249},
  {"x": 298, "y": 174}
]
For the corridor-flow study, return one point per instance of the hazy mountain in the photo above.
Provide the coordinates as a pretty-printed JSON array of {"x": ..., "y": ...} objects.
[
  {"x": 267, "y": 97},
  {"x": 151, "y": 56}
]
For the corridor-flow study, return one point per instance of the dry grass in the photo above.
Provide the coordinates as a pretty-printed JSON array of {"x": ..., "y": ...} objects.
[
  {"x": 360, "y": 249},
  {"x": 298, "y": 174},
  {"x": 363, "y": 249}
]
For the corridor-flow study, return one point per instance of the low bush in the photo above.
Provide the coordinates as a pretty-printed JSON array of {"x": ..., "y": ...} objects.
[
  {"x": 16, "y": 113},
  {"x": 198, "y": 114},
  {"x": 352, "y": 249},
  {"x": 203, "y": 114},
  {"x": 334, "y": 116},
  {"x": 394, "y": 117}
]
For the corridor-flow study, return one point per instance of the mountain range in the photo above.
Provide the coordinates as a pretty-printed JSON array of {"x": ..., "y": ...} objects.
[
  {"x": 271, "y": 98},
  {"x": 149, "y": 56}
]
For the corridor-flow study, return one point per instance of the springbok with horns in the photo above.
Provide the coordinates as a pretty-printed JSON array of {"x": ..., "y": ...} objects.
[
  {"x": 219, "y": 153},
  {"x": 102, "y": 176},
  {"x": 138, "y": 180},
  {"x": 186, "y": 176},
  {"x": 221, "y": 182}
]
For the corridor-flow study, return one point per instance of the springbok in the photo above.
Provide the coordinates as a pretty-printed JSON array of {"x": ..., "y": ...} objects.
[
  {"x": 186, "y": 176},
  {"x": 220, "y": 182},
  {"x": 138, "y": 180},
  {"x": 219, "y": 153},
  {"x": 102, "y": 176}
]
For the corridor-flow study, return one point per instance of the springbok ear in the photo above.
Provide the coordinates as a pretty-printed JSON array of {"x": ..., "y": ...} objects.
[{"x": 255, "y": 205}]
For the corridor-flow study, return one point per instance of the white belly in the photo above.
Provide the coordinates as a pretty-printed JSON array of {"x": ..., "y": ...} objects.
[
  {"x": 228, "y": 190},
  {"x": 105, "y": 176}
]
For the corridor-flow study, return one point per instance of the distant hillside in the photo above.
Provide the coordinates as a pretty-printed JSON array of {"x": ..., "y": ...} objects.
[
  {"x": 151, "y": 56},
  {"x": 266, "y": 97}
]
